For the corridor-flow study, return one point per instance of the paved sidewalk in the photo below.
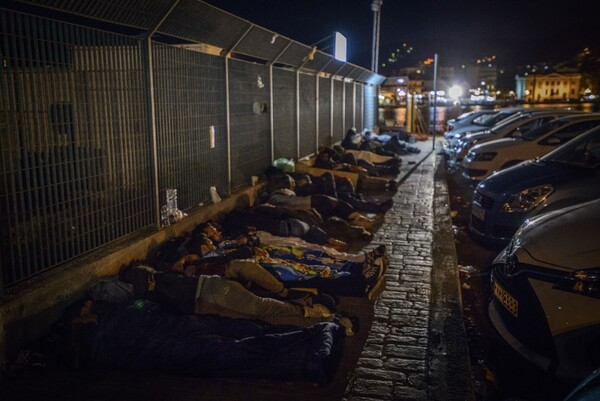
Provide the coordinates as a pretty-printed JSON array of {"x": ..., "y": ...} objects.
[{"x": 406, "y": 353}]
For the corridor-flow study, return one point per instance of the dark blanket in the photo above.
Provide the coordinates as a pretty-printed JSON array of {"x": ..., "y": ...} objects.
[{"x": 147, "y": 338}]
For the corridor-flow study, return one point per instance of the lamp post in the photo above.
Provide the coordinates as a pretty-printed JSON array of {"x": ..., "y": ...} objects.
[{"x": 376, "y": 8}]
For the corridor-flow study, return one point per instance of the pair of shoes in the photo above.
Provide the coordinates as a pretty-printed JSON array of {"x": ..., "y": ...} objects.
[
  {"x": 375, "y": 276},
  {"x": 316, "y": 310}
]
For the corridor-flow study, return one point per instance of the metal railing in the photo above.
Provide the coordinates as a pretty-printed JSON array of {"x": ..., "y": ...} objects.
[{"x": 107, "y": 104}]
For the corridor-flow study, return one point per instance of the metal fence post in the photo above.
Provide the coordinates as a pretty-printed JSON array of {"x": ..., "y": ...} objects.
[{"x": 150, "y": 104}]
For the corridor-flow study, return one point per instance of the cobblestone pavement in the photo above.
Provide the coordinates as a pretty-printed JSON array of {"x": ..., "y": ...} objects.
[{"x": 405, "y": 356}]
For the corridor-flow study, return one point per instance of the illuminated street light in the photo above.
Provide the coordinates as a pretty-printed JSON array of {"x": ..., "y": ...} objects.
[{"x": 455, "y": 92}]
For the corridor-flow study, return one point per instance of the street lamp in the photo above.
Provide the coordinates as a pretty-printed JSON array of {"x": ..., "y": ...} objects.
[{"x": 375, "y": 7}]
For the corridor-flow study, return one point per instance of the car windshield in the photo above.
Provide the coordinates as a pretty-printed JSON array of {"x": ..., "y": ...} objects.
[
  {"x": 583, "y": 151},
  {"x": 510, "y": 120},
  {"x": 535, "y": 133},
  {"x": 465, "y": 115},
  {"x": 490, "y": 119},
  {"x": 479, "y": 120}
]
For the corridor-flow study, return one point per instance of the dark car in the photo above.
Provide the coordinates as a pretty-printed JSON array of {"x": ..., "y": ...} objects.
[{"x": 566, "y": 176}]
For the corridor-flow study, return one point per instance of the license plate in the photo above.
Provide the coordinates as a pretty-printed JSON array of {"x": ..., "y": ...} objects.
[
  {"x": 478, "y": 212},
  {"x": 507, "y": 300}
]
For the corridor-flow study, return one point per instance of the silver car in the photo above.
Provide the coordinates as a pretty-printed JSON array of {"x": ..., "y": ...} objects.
[{"x": 546, "y": 291}]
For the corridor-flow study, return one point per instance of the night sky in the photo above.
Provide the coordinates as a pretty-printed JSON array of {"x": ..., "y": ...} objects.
[{"x": 516, "y": 32}]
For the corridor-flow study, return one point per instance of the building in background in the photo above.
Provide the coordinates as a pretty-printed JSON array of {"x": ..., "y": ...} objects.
[{"x": 548, "y": 87}]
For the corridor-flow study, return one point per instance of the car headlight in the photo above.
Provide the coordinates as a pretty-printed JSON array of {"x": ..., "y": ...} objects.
[
  {"x": 584, "y": 282},
  {"x": 482, "y": 157},
  {"x": 527, "y": 199}
]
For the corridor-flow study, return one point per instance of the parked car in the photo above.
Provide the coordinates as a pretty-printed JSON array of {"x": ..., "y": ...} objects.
[
  {"x": 466, "y": 119},
  {"x": 546, "y": 291},
  {"x": 480, "y": 123},
  {"x": 487, "y": 158},
  {"x": 508, "y": 128},
  {"x": 566, "y": 176}
]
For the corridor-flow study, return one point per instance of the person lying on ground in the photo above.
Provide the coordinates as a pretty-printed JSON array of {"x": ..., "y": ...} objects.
[
  {"x": 225, "y": 244},
  {"x": 284, "y": 222},
  {"x": 387, "y": 144},
  {"x": 335, "y": 160},
  {"x": 215, "y": 295},
  {"x": 354, "y": 140},
  {"x": 341, "y": 188},
  {"x": 144, "y": 337},
  {"x": 366, "y": 182},
  {"x": 283, "y": 195},
  {"x": 279, "y": 269},
  {"x": 393, "y": 141}
]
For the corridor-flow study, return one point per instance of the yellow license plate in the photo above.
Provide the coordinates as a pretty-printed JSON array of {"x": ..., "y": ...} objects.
[{"x": 506, "y": 299}]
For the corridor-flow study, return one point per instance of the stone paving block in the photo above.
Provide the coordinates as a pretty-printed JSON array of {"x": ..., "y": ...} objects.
[
  {"x": 381, "y": 374},
  {"x": 409, "y": 393},
  {"x": 370, "y": 363},
  {"x": 406, "y": 351},
  {"x": 367, "y": 387},
  {"x": 405, "y": 365}
]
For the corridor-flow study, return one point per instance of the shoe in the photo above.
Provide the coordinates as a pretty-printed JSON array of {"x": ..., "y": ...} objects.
[
  {"x": 384, "y": 260},
  {"x": 380, "y": 250},
  {"x": 376, "y": 290},
  {"x": 358, "y": 219},
  {"x": 350, "y": 324},
  {"x": 373, "y": 270},
  {"x": 316, "y": 310},
  {"x": 337, "y": 244}
]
